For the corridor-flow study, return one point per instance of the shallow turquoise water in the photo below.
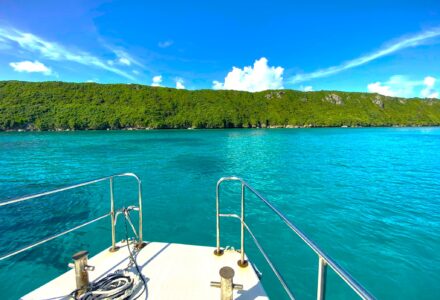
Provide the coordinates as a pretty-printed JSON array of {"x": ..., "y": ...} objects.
[{"x": 369, "y": 197}]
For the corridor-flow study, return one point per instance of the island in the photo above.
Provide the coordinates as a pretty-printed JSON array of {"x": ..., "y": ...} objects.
[{"x": 43, "y": 106}]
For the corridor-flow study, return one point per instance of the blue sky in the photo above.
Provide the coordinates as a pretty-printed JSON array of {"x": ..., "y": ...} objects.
[{"x": 390, "y": 47}]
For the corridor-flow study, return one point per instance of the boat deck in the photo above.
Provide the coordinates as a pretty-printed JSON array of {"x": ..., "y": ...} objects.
[{"x": 172, "y": 271}]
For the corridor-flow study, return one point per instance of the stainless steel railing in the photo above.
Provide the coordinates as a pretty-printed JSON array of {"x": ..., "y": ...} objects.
[
  {"x": 324, "y": 259},
  {"x": 111, "y": 213}
]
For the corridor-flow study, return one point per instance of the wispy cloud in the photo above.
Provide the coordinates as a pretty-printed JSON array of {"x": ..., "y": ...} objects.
[
  {"x": 392, "y": 47},
  {"x": 31, "y": 67},
  {"x": 55, "y": 51},
  {"x": 165, "y": 44},
  {"x": 3, "y": 44},
  {"x": 123, "y": 58}
]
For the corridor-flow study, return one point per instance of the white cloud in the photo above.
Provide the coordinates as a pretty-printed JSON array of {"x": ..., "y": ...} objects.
[
  {"x": 30, "y": 67},
  {"x": 396, "y": 86},
  {"x": 400, "y": 44},
  {"x": 429, "y": 94},
  {"x": 429, "y": 81},
  {"x": 179, "y": 84},
  {"x": 402, "y": 86},
  {"x": 165, "y": 44},
  {"x": 157, "y": 80},
  {"x": 307, "y": 88},
  {"x": 217, "y": 85},
  {"x": 429, "y": 91},
  {"x": 260, "y": 77},
  {"x": 55, "y": 51},
  {"x": 378, "y": 87}
]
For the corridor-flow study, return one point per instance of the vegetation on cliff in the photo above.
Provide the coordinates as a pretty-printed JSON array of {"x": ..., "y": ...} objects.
[{"x": 78, "y": 106}]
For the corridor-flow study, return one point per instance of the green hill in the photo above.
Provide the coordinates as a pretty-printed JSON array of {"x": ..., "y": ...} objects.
[{"x": 60, "y": 105}]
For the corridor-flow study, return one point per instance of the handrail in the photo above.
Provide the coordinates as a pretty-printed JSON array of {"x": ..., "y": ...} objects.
[
  {"x": 324, "y": 259},
  {"x": 52, "y": 237},
  {"x": 266, "y": 257},
  {"x": 85, "y": 183}
]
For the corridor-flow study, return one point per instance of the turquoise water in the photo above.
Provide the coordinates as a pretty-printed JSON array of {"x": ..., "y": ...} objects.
[{"x": 369, "y": 197}]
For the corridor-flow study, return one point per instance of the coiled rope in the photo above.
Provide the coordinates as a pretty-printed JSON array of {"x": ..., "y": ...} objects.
[{"x": 122, "y": 283}]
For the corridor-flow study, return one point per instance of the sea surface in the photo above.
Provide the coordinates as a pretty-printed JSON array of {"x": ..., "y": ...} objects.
[{"x": 369, "y": 197}]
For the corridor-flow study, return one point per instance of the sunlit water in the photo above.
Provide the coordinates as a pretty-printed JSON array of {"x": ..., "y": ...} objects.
[{"x": 369, "y": 197}]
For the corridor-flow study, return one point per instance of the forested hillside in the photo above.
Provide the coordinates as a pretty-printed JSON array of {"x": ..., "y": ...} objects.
[{"x": 77, "y": 106}]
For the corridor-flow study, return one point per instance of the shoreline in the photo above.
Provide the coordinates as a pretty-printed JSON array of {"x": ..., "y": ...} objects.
[{"x": 226, "y": 128}]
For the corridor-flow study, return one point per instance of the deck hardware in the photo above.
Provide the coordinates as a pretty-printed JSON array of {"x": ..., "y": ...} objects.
[
  {"x": 242, "y": 263},
  {"x": 81, "y": 270},
  {"x": 226, "y": 283},
  {"x": 113, "y": 249},
  {"x": 126, "y": 212},
  {"x": 218, "y": 252},
  {"x": 140, "y": 245}
]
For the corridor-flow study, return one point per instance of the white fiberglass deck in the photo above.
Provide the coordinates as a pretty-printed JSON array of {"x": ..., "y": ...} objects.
[{"x": 172, "y": 271}]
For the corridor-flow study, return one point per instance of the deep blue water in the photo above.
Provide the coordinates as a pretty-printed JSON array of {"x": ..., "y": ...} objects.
[{"x": 370, "y": 197}]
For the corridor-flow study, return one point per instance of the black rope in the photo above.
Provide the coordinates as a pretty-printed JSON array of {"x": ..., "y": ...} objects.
[
  {"x": 116, "y": 284},
  {"x": 133, "y": 259},
  {"x": 105, "y": 288}
]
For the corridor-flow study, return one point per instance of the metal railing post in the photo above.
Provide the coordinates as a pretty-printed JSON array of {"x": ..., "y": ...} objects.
[
  {"x": 217, "y": 250},
  {"x": 141, "y": 241},
  {"x": 322, "y": 277},
  {"x": 242, "y": 262},
  {"x": 112, "y": 216}
]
